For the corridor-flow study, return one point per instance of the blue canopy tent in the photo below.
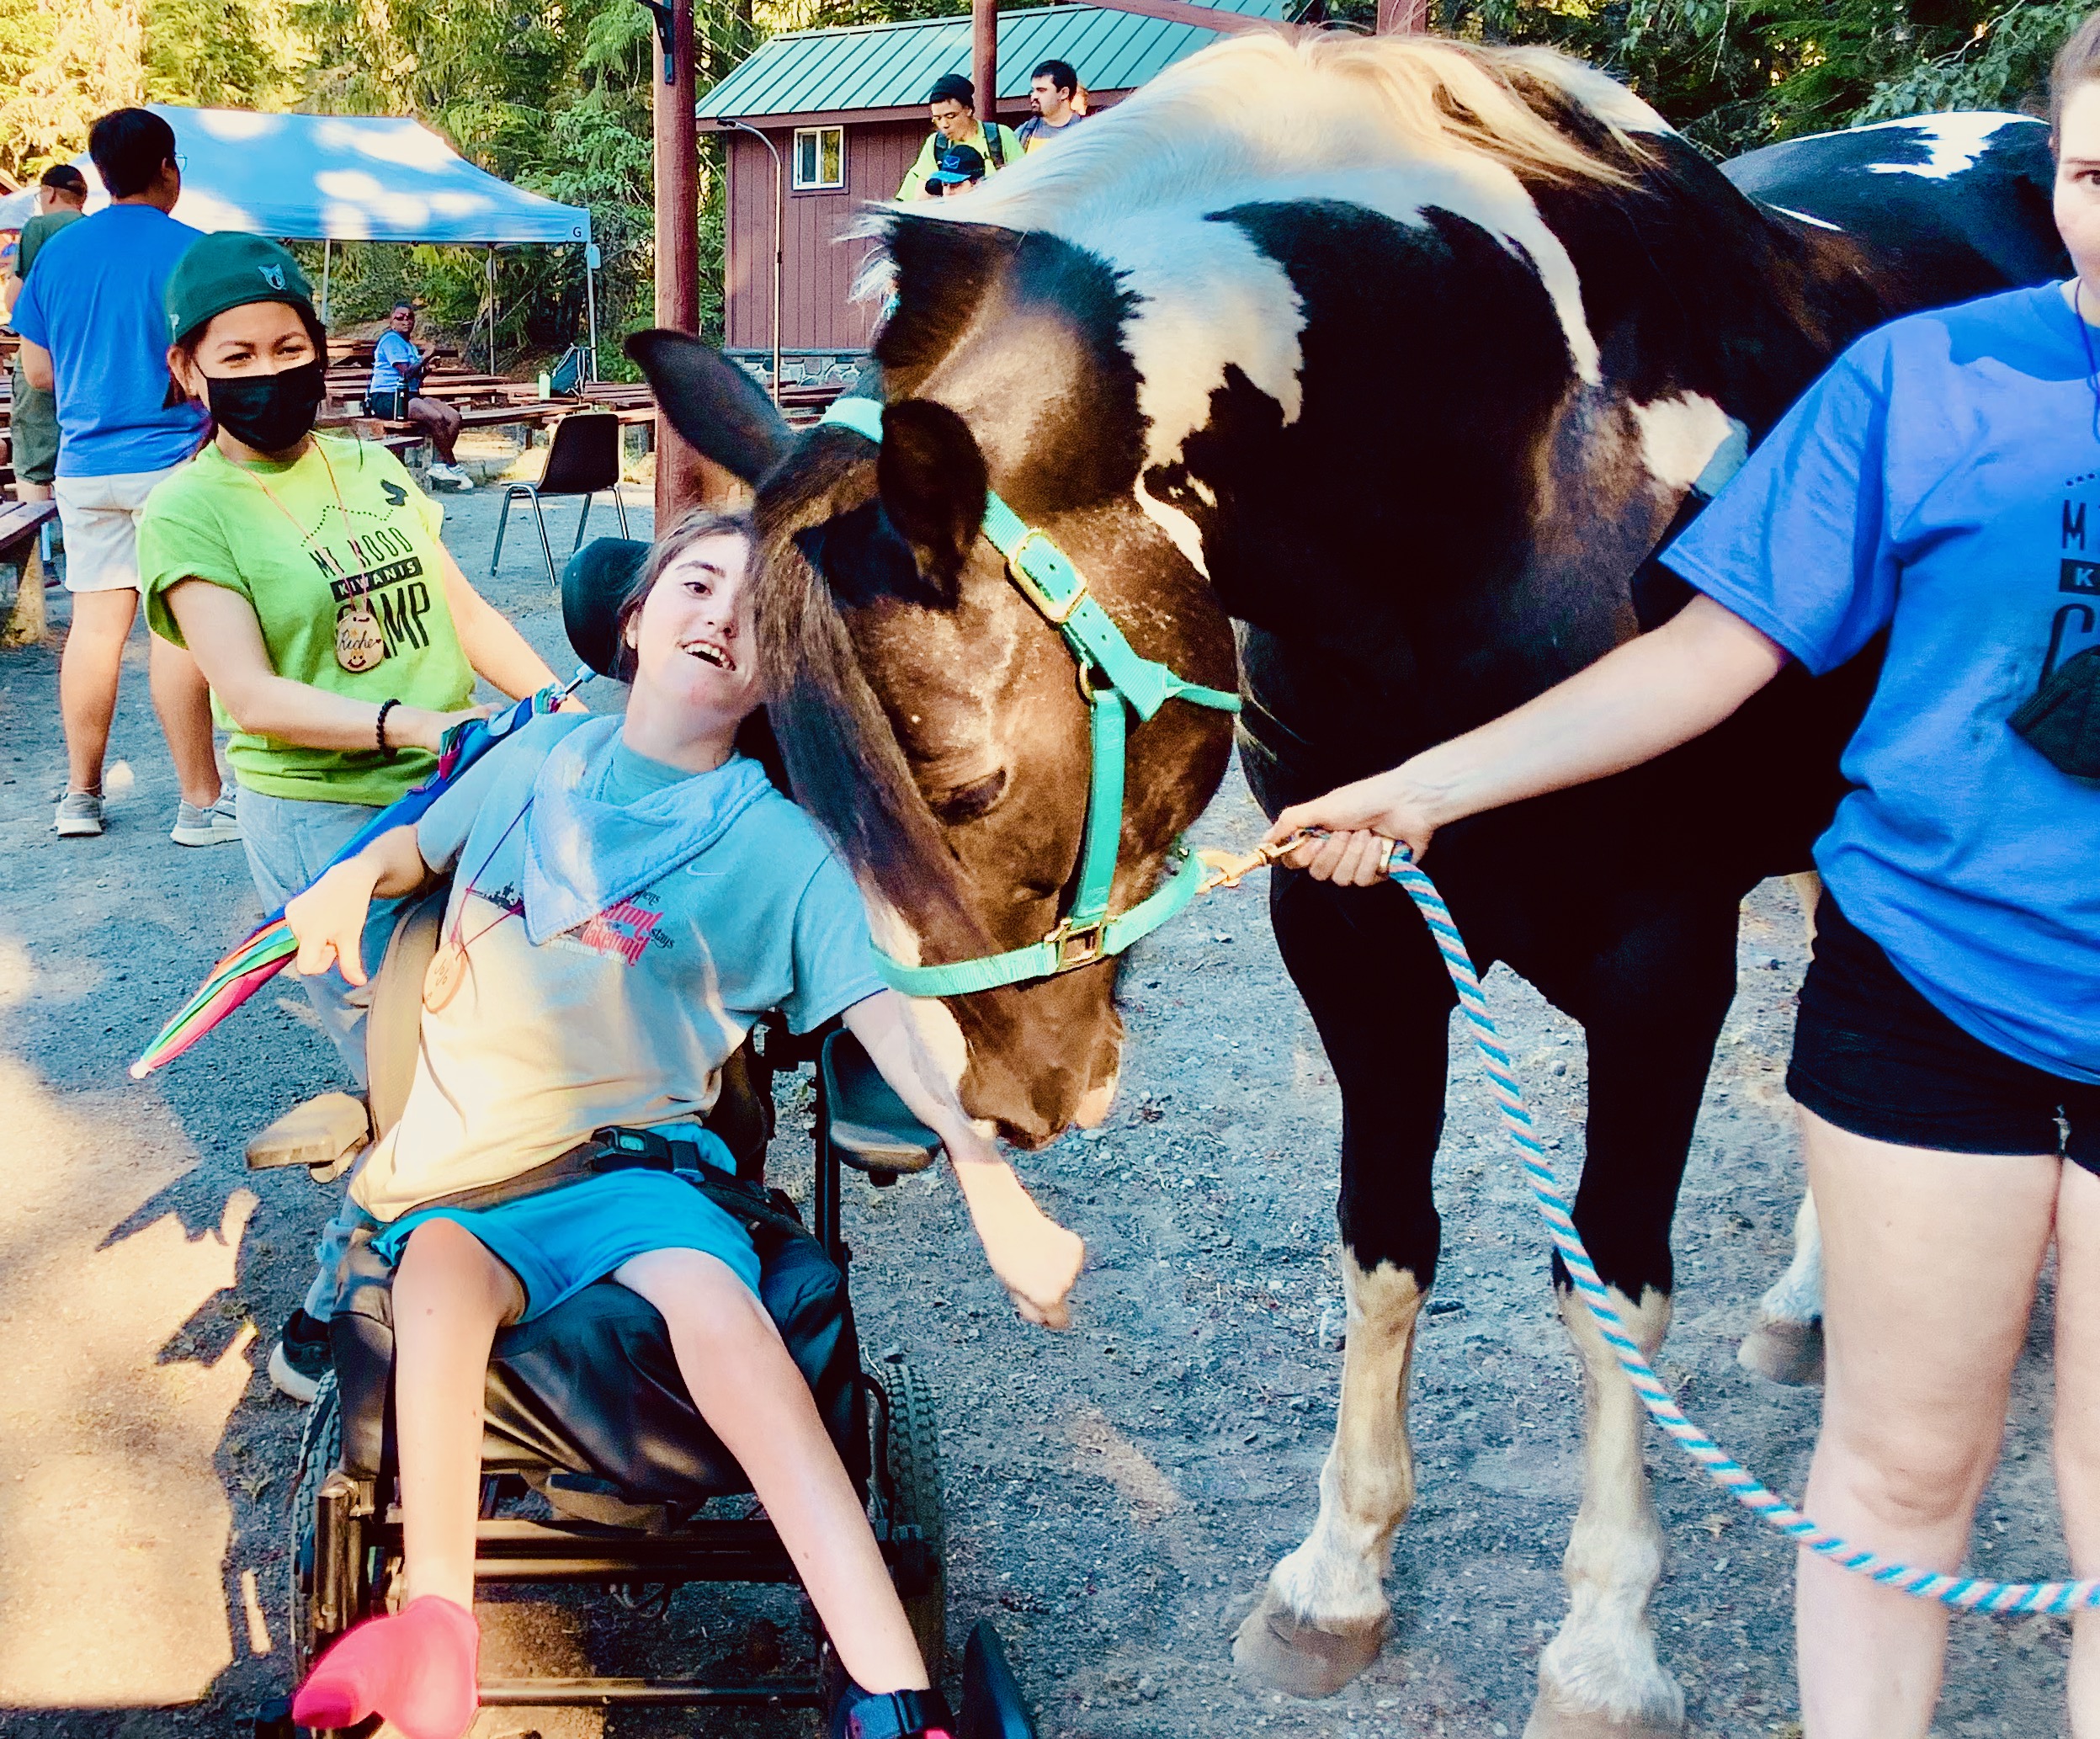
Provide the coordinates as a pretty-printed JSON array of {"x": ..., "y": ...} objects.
[{"x": 343, "y": 178}]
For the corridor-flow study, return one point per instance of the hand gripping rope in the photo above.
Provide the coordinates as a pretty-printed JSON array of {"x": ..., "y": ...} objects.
[{"x": 1967, "y": 1592}]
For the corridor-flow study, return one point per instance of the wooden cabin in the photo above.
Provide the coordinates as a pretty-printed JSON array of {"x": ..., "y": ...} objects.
[{"x": 846, "y": 110}]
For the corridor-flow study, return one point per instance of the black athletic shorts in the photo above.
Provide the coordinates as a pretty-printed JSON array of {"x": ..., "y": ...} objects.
[
  {"x": 1873, "y": 1056},
  {"x": 393, "y": 406}
]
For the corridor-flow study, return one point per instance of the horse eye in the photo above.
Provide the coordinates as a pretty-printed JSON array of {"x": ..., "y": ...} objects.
[{"x": 967, "y": 803}]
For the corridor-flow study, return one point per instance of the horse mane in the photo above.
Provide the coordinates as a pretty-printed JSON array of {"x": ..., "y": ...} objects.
[
  {"x": 843, "y": 760},
  {"x": 1265, "y": 108}
]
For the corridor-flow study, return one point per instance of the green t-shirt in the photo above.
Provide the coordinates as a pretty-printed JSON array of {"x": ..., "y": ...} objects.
[
  {"x": 35, "y": 233},
  {"x": 342, "y": 528}
]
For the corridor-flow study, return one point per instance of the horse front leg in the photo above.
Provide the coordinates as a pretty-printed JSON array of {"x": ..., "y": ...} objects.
[
  {"x": 1652, "y": 1003},
  {"x": 1379, "y": 995}
]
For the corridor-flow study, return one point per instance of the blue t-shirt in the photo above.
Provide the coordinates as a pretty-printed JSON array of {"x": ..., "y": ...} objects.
[
  {"x": 94, "y": 301},
  {"x": 1942, "y": 482},
  {"x": 394, "y": 360}
]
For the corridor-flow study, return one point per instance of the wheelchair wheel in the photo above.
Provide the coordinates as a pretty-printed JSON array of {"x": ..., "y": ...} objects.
[
  {"x": 912, "y": 1493},
  {"x": 320, "y": 1449}
]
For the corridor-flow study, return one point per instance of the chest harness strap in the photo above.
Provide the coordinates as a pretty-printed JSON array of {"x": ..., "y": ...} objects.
[{"x": 1113, "y": 676}]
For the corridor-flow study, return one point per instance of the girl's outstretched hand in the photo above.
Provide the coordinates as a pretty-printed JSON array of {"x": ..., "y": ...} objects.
[{"x": 1035, "y": 1257}]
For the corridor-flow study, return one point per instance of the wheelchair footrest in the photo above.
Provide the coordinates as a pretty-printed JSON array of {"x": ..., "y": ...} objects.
[{"x": 673, "y": 1692}]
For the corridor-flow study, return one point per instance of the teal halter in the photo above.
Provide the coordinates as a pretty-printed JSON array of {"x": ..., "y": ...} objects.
[{"x": 1113, "y": 676}]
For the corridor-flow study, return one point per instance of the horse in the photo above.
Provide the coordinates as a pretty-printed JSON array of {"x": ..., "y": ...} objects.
[{"x": 1365, "y": 376}]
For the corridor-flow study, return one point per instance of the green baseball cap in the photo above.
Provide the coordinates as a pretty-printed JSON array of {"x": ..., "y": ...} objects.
[{"x": 230, "y": 271}]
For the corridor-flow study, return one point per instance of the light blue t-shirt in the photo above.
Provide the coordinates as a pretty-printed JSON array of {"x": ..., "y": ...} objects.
[
  {"x": 626, "y": 1017},
  {"x": 1942, "y": 482},
  {"x": 394, "y": 359},
  {"x": 95, "y": 302}
]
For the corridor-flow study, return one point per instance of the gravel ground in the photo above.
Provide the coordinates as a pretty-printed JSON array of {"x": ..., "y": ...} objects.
[{"x": 1115, "y": 1495}]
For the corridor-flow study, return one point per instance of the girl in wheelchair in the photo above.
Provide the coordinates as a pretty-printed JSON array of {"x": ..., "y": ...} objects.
[{"x": 629, "y": 896}]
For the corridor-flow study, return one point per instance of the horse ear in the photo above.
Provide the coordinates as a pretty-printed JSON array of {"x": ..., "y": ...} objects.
[
  {"x": 932, "y": 478},
  {"x": 714, "y": 405}
]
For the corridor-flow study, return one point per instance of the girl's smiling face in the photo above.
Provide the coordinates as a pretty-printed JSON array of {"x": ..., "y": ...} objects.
[{"x": 693, "y": 638}]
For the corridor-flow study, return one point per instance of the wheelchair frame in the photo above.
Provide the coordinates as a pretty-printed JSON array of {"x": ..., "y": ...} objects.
[{"x": 347, "y": 1550}]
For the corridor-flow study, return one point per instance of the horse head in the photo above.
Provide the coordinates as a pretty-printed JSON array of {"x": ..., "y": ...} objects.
[{"x": 930, "y": 716}]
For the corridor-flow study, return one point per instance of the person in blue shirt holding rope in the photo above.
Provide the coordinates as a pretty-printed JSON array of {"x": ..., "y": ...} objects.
[
  {"x": 395, "y": 393},
  {"x": 1940, "y": 484}
]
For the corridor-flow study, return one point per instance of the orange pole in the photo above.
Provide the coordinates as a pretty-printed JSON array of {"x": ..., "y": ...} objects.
[
  {"x": 984, "y": 57},
  {"x": 678, "y": 197}
]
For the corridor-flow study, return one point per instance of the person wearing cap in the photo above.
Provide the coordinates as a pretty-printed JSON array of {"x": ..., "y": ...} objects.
[
  {"x": 33, "y": 420},
  {"x": 956, "y": 166},
  {"x": 954, "y": 104},
  {"x": 394, "y": 394},
  {"x": 306, "y": 571},
  {"x": 94, "y": 335}
]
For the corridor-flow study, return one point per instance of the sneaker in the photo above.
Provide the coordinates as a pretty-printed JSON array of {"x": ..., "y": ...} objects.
[
  {"x": 79, "y": 815},
  {"x": 215, "y": 825},
  {"x": 301, "y": 1357},
  {"x": 451, "y": 475}
]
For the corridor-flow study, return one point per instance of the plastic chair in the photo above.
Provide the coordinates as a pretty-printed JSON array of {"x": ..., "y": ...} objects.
[{"x": 584, "y": 460}]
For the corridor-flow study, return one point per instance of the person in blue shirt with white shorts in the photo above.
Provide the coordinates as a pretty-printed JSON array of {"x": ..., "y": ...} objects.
[
  {"x": 394, "y": 393},
  {"x": 94, "y": 334},
  {"x": 1941, "y": 484}
]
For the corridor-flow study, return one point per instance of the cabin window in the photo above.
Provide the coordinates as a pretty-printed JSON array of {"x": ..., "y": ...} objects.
[{"x": 819, "y": 157}]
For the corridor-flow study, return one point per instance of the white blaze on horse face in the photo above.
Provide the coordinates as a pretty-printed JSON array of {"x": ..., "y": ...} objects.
[
  {"x": 1689, "y": 442},
  {"x": 1603, "y": 1661},
  {"x": 1180, "y": 529},
  {"x": 1337, "y": 1578}
]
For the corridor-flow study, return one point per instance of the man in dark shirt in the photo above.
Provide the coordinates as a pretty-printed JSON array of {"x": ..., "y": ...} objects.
[{"x": 1054, "y": 95}]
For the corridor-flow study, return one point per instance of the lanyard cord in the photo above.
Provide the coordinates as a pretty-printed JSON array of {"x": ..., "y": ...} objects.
[
  {"x": 2084, "y": 334},
  {"x": 334, "y": 487},
  {"x": 473, "y": 889}
]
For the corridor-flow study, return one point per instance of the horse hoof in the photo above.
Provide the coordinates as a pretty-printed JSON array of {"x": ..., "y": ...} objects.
[
  {"x": 1790, "y": 1352},
  {"x": 1279, "y": 1650},
  {"x": 1554, "y": 1716}
]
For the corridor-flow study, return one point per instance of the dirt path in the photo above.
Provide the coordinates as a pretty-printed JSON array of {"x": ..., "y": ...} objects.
[{"x": 1115, "y": 1496}]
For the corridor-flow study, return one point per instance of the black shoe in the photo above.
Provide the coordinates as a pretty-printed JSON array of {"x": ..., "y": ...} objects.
[
  {"x": 301, "y": 1357},
  {"x": 893, "y": 1715}
]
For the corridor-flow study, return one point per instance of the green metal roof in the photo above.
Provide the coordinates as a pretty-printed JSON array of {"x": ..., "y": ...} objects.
[{"x": 893, "y": 66}]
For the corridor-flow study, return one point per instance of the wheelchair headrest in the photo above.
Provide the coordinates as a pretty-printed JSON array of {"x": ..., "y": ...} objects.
[{"x": 594, "y": 585}]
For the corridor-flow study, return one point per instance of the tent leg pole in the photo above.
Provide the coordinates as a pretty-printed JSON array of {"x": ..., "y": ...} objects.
[
  {"x": 492, "y": 311},
  {"x": 328, "y": 252},
  {"x": 590, "y": 307}
]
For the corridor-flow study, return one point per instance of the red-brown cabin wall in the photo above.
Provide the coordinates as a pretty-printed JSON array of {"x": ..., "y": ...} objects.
[{"x": 817, "y": 270}]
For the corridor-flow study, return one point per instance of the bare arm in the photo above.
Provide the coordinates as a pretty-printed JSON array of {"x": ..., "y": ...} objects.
[
  {"x": 493, "y": 647},
  {"x": 1037, "y": 1259},
  {"x": 221, "y": 630},
  {"x": 36, "y": 366},
  {"x": 328, "y": 918},
  {"x": 10, "y": 288},
  {"x": 1635, "y": 703}
]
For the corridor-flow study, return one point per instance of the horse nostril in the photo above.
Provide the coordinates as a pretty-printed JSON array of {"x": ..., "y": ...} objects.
[{"x": 966, "y": 803}]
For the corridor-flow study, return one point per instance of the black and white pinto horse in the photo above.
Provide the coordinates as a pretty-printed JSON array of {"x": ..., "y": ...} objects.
[{"x": 1373, "y": 372}]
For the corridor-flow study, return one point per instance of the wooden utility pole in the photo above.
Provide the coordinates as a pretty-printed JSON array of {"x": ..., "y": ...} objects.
[
  {"x": 677, "y": 191},
  {"x": 984, "y": 58}
]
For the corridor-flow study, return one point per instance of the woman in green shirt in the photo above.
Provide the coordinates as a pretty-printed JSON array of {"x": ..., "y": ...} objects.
[{"x": 305, "y": 573}]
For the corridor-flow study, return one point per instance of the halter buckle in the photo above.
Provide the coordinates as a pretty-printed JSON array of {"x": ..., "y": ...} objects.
[
  {"x": 1056, "y": 612},
  {"x": 1077, "y": 945}
]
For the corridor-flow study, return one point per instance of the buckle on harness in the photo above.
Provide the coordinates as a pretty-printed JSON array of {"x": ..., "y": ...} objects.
[
  {"x": 1077, "y": 945},
  {"x": 1054, "y": 611}
]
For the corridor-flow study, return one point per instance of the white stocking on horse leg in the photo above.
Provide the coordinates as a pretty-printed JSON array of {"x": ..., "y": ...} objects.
[
  {"x": 1599, "y": 1678},
  {"x": 1322, "y": 1618},
  {"x": 1787, "y": 1344}
]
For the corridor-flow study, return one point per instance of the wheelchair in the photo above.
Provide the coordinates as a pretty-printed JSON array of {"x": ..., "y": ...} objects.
[{"x": 596, "y": 1467}]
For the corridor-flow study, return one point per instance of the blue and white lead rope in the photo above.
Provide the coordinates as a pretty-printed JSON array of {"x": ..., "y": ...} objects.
[{"x": 1967, "y": 1592}]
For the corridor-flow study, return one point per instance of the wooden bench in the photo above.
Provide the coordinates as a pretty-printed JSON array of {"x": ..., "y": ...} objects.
[{"x": 22, "y": 523}]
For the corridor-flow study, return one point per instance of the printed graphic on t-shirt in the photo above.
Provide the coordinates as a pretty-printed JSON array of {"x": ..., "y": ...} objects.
[
  {"x": 625, "y": 931},
  {"x": 2071, "y": 631},
  {"x": 374, "y": 570}
]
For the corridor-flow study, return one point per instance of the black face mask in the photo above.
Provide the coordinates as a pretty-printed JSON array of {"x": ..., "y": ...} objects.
[{"x": 268, "y": 413}]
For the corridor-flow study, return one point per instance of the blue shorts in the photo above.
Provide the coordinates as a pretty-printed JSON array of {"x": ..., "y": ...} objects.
[{"x": 564, "y": 1239}]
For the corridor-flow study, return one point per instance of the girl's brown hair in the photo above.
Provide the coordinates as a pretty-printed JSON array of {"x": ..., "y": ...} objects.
[
  {"x": 696, "y": 527},
  {"x": 2078, "y": 63}
]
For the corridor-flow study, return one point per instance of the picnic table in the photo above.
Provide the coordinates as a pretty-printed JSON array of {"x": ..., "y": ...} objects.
[{"x": 22, "y": 523}]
